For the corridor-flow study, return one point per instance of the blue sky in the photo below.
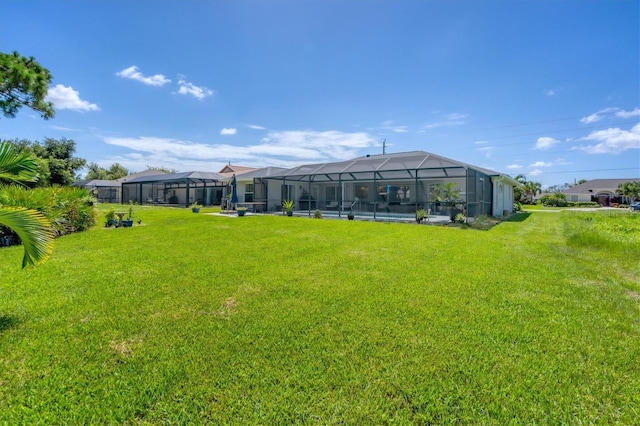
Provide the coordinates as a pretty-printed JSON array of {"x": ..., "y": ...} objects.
[{"x": 548, "y": 89}]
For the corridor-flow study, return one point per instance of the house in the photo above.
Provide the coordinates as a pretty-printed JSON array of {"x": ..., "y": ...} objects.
[
  {"x": 233, "y": 169},
  {"x": 205, "y": 188},
  {"x": 109, "y": 191},
  {"x": 387, "y": 185},
  {"x": 601, "y": 191},
  {"x": 185, "y": 188},
  {"x": 250, "y": 188}
]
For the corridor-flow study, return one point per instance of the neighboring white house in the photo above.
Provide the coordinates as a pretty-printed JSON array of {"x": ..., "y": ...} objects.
[{"x": 601, "y": 191}]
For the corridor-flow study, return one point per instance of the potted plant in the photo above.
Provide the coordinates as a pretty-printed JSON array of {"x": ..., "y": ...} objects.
[
  {"x": 288, "y": 206},
  {"x": 110, "y": 218},
  {"x": 195, "y": 207},
  {"x": 448, "y": 196},
  {"x": 128, "y": 222},
  {"x": 421, "y": 214},
  {"x": 241, "y": 211}
]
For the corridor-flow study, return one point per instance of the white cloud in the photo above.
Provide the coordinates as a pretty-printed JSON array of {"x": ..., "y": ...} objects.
[
  {"x": 228, "y": 131},
  {"x": 399, "y": 129},
  {"x": 541, "y": 164},
  {"x": 389, "y": 125},
  {"x": 256, "y": 127},
  {"x": 628, "y": 114},
  {"x": 133, "y": 73},
  {"x": 597, "y": 116},
  {"x": 451, "y": 119},
  {"x": 281, "y": 149},
  {"x": 64, "y": 97},
  {"x": 454, "y": 116},
  {"x": 549, "y": 92},
  {"x": 188, "y": 88},
  {"x": 514, "y": 166},
  {"x": 488, "y": 150},
  {"x": 545, "y": 143},
  {"x": 323, "y": 146},
  {"x": 535, "y": 172},
  {"x": 65, "y": 129},
  {"x": 611, "y": 141}
]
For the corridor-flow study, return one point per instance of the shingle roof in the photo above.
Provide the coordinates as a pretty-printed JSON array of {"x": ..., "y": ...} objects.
[
  {"x": 101, "y": 183},
  {"x": 598, "y": 185},
  {"x": 148, "y": 172},
  {"x": 231, "y": 169},
  {"x": 178, "y": 176},
  {"x": 413, "y": 160},
  {"x": 260, "y": 173}
]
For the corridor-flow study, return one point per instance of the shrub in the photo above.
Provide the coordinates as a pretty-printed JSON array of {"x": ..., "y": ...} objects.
[
  {"x": 557, "y": 199},
  {"x": 582, "y": 204},
  {"x": 483, "y": 222},
  {"x": 317, "y": 214},
  {"x": 69, "y": 209},
  {"x": 110, "y": 217}
]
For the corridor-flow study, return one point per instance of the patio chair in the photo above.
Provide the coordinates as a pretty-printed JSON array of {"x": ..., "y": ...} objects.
[{"x": 332, "y": 205}]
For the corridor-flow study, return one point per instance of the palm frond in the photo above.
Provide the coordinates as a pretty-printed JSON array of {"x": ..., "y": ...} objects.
[
  {"x": 34, "y": 231},
  {"x": 16, "y": 166}
]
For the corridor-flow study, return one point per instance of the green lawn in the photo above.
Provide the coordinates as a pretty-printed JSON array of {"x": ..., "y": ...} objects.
[{"x": 194, "y": 318}]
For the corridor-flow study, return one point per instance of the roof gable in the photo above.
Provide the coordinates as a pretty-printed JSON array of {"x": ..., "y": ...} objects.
[{"x": 231, "y": 169}]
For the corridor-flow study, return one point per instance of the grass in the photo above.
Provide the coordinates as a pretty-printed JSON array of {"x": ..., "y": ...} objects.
[{"x": 193, "y": 318}]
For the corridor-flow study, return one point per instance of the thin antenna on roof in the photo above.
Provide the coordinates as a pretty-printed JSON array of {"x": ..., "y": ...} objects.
[{"x": 384, "y": 146}]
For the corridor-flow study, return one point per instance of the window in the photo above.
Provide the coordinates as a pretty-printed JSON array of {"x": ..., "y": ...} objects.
[
  {"x": 248, "y": 193},
  {"x": 288, "y": 192}
]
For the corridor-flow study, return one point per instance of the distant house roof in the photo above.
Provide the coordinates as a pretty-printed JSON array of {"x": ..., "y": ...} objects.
[
  {"x": 231, "y": 169},
  {"x": 387, "y": 166},
  {"x": 261, "y": 173},
  {"x": 99, "y": 183},
  {"x": 93, "y": 183},
  {"x": 598, "y": 185},
  {"x": 192, "y": 176},
  {"x": 148, "y": 172}
]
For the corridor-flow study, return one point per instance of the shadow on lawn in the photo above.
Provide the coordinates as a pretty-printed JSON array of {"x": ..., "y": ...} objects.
[
  {"x": 519, "y": 217},
  {"x": 8, "y": 321},
  {"x": 486, "y": 223}
]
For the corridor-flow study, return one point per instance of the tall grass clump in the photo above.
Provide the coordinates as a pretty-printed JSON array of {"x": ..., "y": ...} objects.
[
  {"x": 612, "y": 230},
  {"x": 69, "y": 209}
]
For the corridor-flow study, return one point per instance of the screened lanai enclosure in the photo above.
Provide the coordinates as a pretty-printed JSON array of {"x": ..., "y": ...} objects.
[
  {"x": 179, "y": 189},
  {"x": 388, "y": 186},
  {"x": 105, "y": 191}
]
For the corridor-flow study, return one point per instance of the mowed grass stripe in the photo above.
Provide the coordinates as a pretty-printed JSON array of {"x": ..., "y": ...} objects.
[{"x": 268, "y": 319}]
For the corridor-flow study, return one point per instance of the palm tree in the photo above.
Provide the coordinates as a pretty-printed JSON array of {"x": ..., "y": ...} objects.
[
  {"x": 532, "y": 188},
  {"x": 33, "y": 229},
  {"x": 629, "y": 191}
]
